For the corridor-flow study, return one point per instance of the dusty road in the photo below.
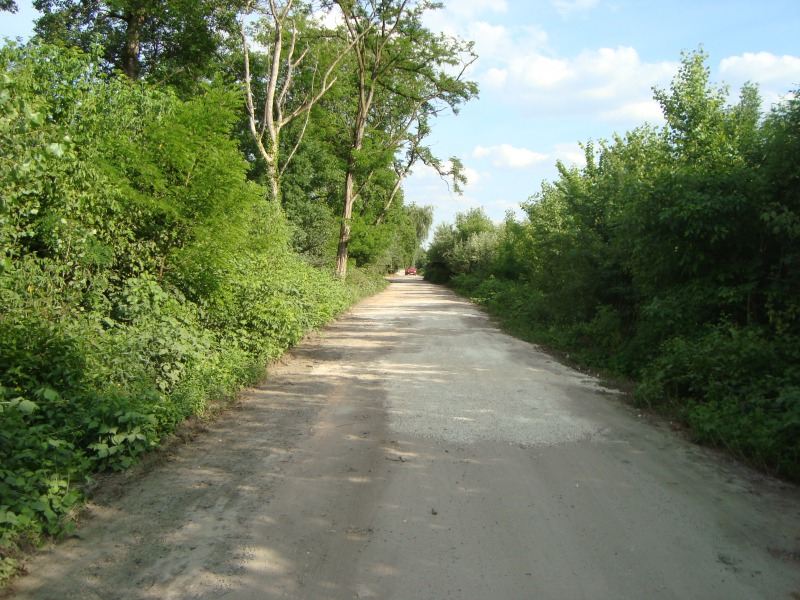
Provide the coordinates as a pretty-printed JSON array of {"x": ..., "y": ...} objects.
[{"x": 411, "y": 451}]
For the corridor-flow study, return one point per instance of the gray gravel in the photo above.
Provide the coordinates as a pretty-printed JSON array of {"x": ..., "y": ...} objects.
[{"x": 423, "y": 398}]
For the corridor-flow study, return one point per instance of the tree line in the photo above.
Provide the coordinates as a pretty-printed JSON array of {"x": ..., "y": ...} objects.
[
  {"x": 185, "y": 189},
  {"x": 671, "y": 259}
]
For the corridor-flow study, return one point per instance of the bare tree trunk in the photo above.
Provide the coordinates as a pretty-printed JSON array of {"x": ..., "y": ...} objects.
[
  {"x": 350, "y": 195},
  {"x": 366, "y": 93},
  {"x": 347, "y": 213},
  {"x": 404, "y": 69},
  {"x": 133, "y": 35},
  {"x": 273, "y": 172}
]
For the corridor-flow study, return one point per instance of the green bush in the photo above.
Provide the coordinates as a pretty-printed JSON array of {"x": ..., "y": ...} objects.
[
  {"x": 736, "y": 387},
  {"x": 142, "y": 277},
  {"x": 670, "y": 259}
]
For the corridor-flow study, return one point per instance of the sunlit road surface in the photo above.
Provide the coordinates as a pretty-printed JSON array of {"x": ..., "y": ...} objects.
[{"x": 413, "y": 451}]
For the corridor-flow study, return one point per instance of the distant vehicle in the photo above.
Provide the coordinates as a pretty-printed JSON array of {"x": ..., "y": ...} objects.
[{"x": 411, "y": 271}]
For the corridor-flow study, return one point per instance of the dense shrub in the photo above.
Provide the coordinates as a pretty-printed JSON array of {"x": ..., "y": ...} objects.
[
  {"x": 670, "y": 259},
  {"x": 142, "y": 276}
]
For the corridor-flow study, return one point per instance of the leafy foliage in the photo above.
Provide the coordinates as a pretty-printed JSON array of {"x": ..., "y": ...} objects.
[
  {"x": 466, "y": 248},
  {"x": 143, "y": 276},
  {"x": 669, "y": 258},
  {"x": 176, "y": 40}
]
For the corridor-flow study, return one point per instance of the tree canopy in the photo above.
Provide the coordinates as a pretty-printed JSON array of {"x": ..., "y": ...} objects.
[{"x": 176, "y": 40}]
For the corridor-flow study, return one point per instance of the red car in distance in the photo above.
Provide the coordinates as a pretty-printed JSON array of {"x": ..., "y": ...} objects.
[{"x": 411, "y": 271}]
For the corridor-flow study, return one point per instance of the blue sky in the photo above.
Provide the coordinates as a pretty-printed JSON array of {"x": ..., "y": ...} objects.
[{"x": 554, "y": 73}]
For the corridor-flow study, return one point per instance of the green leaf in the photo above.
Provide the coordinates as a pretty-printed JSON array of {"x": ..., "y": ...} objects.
[
  {"x": 9, "y": 518},
  {"x": 34, "y": 118},
  {"x": 56, "y": 150},
  {"x": 27, "y": 406},
  {"x": 51, "y": 394}
]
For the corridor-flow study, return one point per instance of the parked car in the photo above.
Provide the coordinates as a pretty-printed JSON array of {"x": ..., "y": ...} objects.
[{"x": 411, "y": 271}]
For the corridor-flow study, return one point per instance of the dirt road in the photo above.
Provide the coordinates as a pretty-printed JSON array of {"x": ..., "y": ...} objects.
[{"x": 411, "y": 451}]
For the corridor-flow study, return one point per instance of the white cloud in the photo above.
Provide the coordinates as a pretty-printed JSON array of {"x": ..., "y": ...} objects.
[
  {"x": 518, "y": 66},
  {"x": 762, "y": 67},
  {"x": 331, "y": 17},
  {"x": 488, "y": 35},
  {"x": 495, "y": 78},
  {"x": 499, "y": 44},
  {"x": 540, "y": 72},
  {"x": 611, "y": 82},
  {"x": 507, "y": 156},
  {"x": 473, "y": 177},
  {"x": 776, "y": 76}
]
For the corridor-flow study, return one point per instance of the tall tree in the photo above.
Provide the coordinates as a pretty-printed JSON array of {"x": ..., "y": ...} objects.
[
  {"x": 291, "y": 42},
  {"x": 157, "y": 39},
  {"x": 405, "y": 74}
]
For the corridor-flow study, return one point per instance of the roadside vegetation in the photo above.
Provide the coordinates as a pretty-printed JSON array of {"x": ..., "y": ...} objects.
[
  {"x": 671, "y": 259},
  {"x": 181, "y": 194}
]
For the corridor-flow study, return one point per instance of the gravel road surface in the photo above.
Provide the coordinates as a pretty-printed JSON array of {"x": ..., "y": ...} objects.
[{"x": 412, "y": 451}]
